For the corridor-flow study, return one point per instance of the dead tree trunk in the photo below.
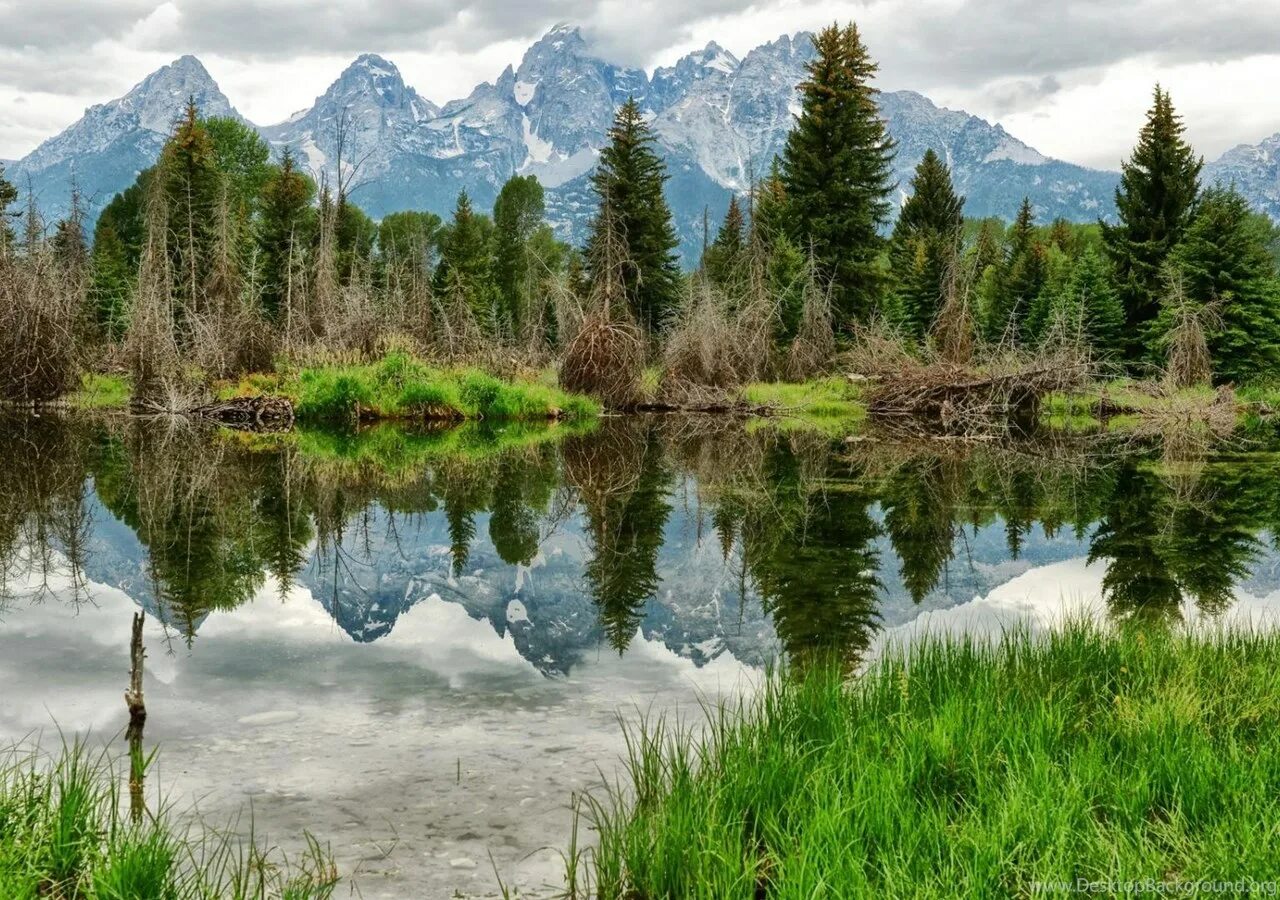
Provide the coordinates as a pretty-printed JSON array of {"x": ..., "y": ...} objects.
[{"x": 137, "y": 719}]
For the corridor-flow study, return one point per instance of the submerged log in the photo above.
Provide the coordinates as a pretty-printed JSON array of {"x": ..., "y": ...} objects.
[{"x": 261, "y": 413}]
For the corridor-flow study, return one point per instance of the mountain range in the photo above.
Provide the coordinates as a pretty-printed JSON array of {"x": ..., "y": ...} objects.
[{"x": 719, "y": 121}]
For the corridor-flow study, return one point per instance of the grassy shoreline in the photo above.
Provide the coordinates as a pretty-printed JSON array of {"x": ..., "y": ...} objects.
[
  {"x": 964, "y": 770},
  {"x": 64, "y": 835}
]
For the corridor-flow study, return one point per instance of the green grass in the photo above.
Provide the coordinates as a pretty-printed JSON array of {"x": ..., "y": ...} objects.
[
  {"x": 965, "y": 770},
  {"x": 831, "y": 404},
  {"x": 401, "y": 387},
  {"x": 64, "y": 835},
  {"x": 1130, "y": 405},
  {"x": 99, "y": 391}
]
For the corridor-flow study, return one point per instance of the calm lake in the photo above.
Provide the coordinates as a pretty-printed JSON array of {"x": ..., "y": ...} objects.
[{"x": 417, "y": 645}]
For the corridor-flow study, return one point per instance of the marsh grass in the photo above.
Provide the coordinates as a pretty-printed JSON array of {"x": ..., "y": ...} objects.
[
  {"x": 99, "y": 391},
  {"x": 832, "y": 405},
  {"x": 64, "y": 834},
  {"x": 400, "y": 386},
  {"x": 963, "y": 768}
]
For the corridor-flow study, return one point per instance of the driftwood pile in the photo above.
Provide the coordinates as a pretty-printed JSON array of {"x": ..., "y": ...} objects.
[
  {"x": 937, "y": 395},
  {"x": 262, "y": 413},
  {"x": 955, "y": 399}
]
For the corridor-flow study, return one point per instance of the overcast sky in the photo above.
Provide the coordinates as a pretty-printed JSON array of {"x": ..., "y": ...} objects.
[{"x": 1070, "y": 77}]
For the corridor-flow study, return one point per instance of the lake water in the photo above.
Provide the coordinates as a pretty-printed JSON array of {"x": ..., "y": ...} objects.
[{"x": 417, "y": 645}]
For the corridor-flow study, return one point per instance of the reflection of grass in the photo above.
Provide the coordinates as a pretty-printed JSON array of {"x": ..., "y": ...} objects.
[
  {"x": 832, "y": 405},
  {"x": 964, "y": 769},
  {"x": 101, "y": 392},
  {"x": 1124, "y": 405},
  {"x": 401, "y": 387},
  {"x": 63, "y": 835},
  {"x": 390, "y": 449},
  {"x": 1069, "y": 412}
]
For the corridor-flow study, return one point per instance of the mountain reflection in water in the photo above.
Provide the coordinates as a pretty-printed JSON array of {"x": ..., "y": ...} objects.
[{"x": 707, "y": 536}]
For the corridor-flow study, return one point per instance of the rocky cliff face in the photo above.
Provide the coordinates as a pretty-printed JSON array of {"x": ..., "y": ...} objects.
[
  {"x": 1253, "y": 170},
  {"x": 719, "y": 121}
]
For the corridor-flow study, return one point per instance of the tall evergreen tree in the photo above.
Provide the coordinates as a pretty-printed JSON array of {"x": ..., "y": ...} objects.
[
  {"x": 192, "y": 185},
  {"x": 1154, "y": 202},
  {"x": 836, "y": 171},
  {"x": 516, "y": 216},
  {"x": 629, "y": 182},
  {"x": 285, "y": 229},
  {"x": 1224, "y": 260},
  {"x": 725, "y": 261},
  {"x": 923, "y": 243},
  {"x": 111, "y": 282}
]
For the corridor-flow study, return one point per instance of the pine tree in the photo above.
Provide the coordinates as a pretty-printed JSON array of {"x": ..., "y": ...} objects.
[
  {"x": 769, "y": 207},
  {"x": 1019, "y": 279},
  {"x": 192, "y": 186},
  {"x": 111, "y": 283},
  {"x": 70, "y": 246},
  {"x": 836, "y": 171},
  {"x": 629, "y": 182},
  {"x": 1224, "y": 260},
  {"x": 725, "y": 262},
  {"x": 924, "y": 240},
  {"x": 1092, "y": 285},
  {"x": 8, "y": 197},
  {"x": 516, "y": 216},
  {"x": 1155, "y": 201},
  {"x": 787, "y": 276},
  {"x": 1046, "y": 306},
  {"x": 1063, "y": 236},
  {"x": 466, "y": 260},
  {"x": 285, "y": 228}
]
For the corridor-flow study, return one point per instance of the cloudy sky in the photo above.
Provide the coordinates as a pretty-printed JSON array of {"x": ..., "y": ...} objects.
[{"x": 1070, "y": 77}]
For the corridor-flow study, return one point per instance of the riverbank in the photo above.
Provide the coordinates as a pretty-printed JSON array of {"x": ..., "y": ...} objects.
[
  {"x": 403, "y": 388},
  {"x": 64, "y": 834},
  {"x": 964, "y": 770}
]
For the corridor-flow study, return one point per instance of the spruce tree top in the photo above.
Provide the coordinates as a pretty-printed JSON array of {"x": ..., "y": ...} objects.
[
  {"x": 836, "y": 169},
  {"x": 1159, "y": 183},
  {"x": 1155, "y": 201},
  {"x": 933, "y": 205},
  {"x": 629, "y": 183}
]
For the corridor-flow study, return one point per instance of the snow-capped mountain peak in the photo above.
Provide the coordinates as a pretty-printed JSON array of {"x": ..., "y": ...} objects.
[
  {"x": 719, "y": 121},
  {"x": 103, "y": 152}
]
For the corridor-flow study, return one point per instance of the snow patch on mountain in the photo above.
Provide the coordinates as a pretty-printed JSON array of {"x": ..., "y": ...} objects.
[
  {"x": 524, "y": 92},
  {"x": 540, "y": 151},
  {"x": 1015, "y": 151}
]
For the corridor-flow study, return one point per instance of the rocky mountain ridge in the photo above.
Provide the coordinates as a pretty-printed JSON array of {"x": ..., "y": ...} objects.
[{"x": 719, "y": 121}]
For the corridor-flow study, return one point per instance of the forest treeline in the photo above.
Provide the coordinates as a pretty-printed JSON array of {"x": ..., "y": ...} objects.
[{"x": 224, "y": 258}]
